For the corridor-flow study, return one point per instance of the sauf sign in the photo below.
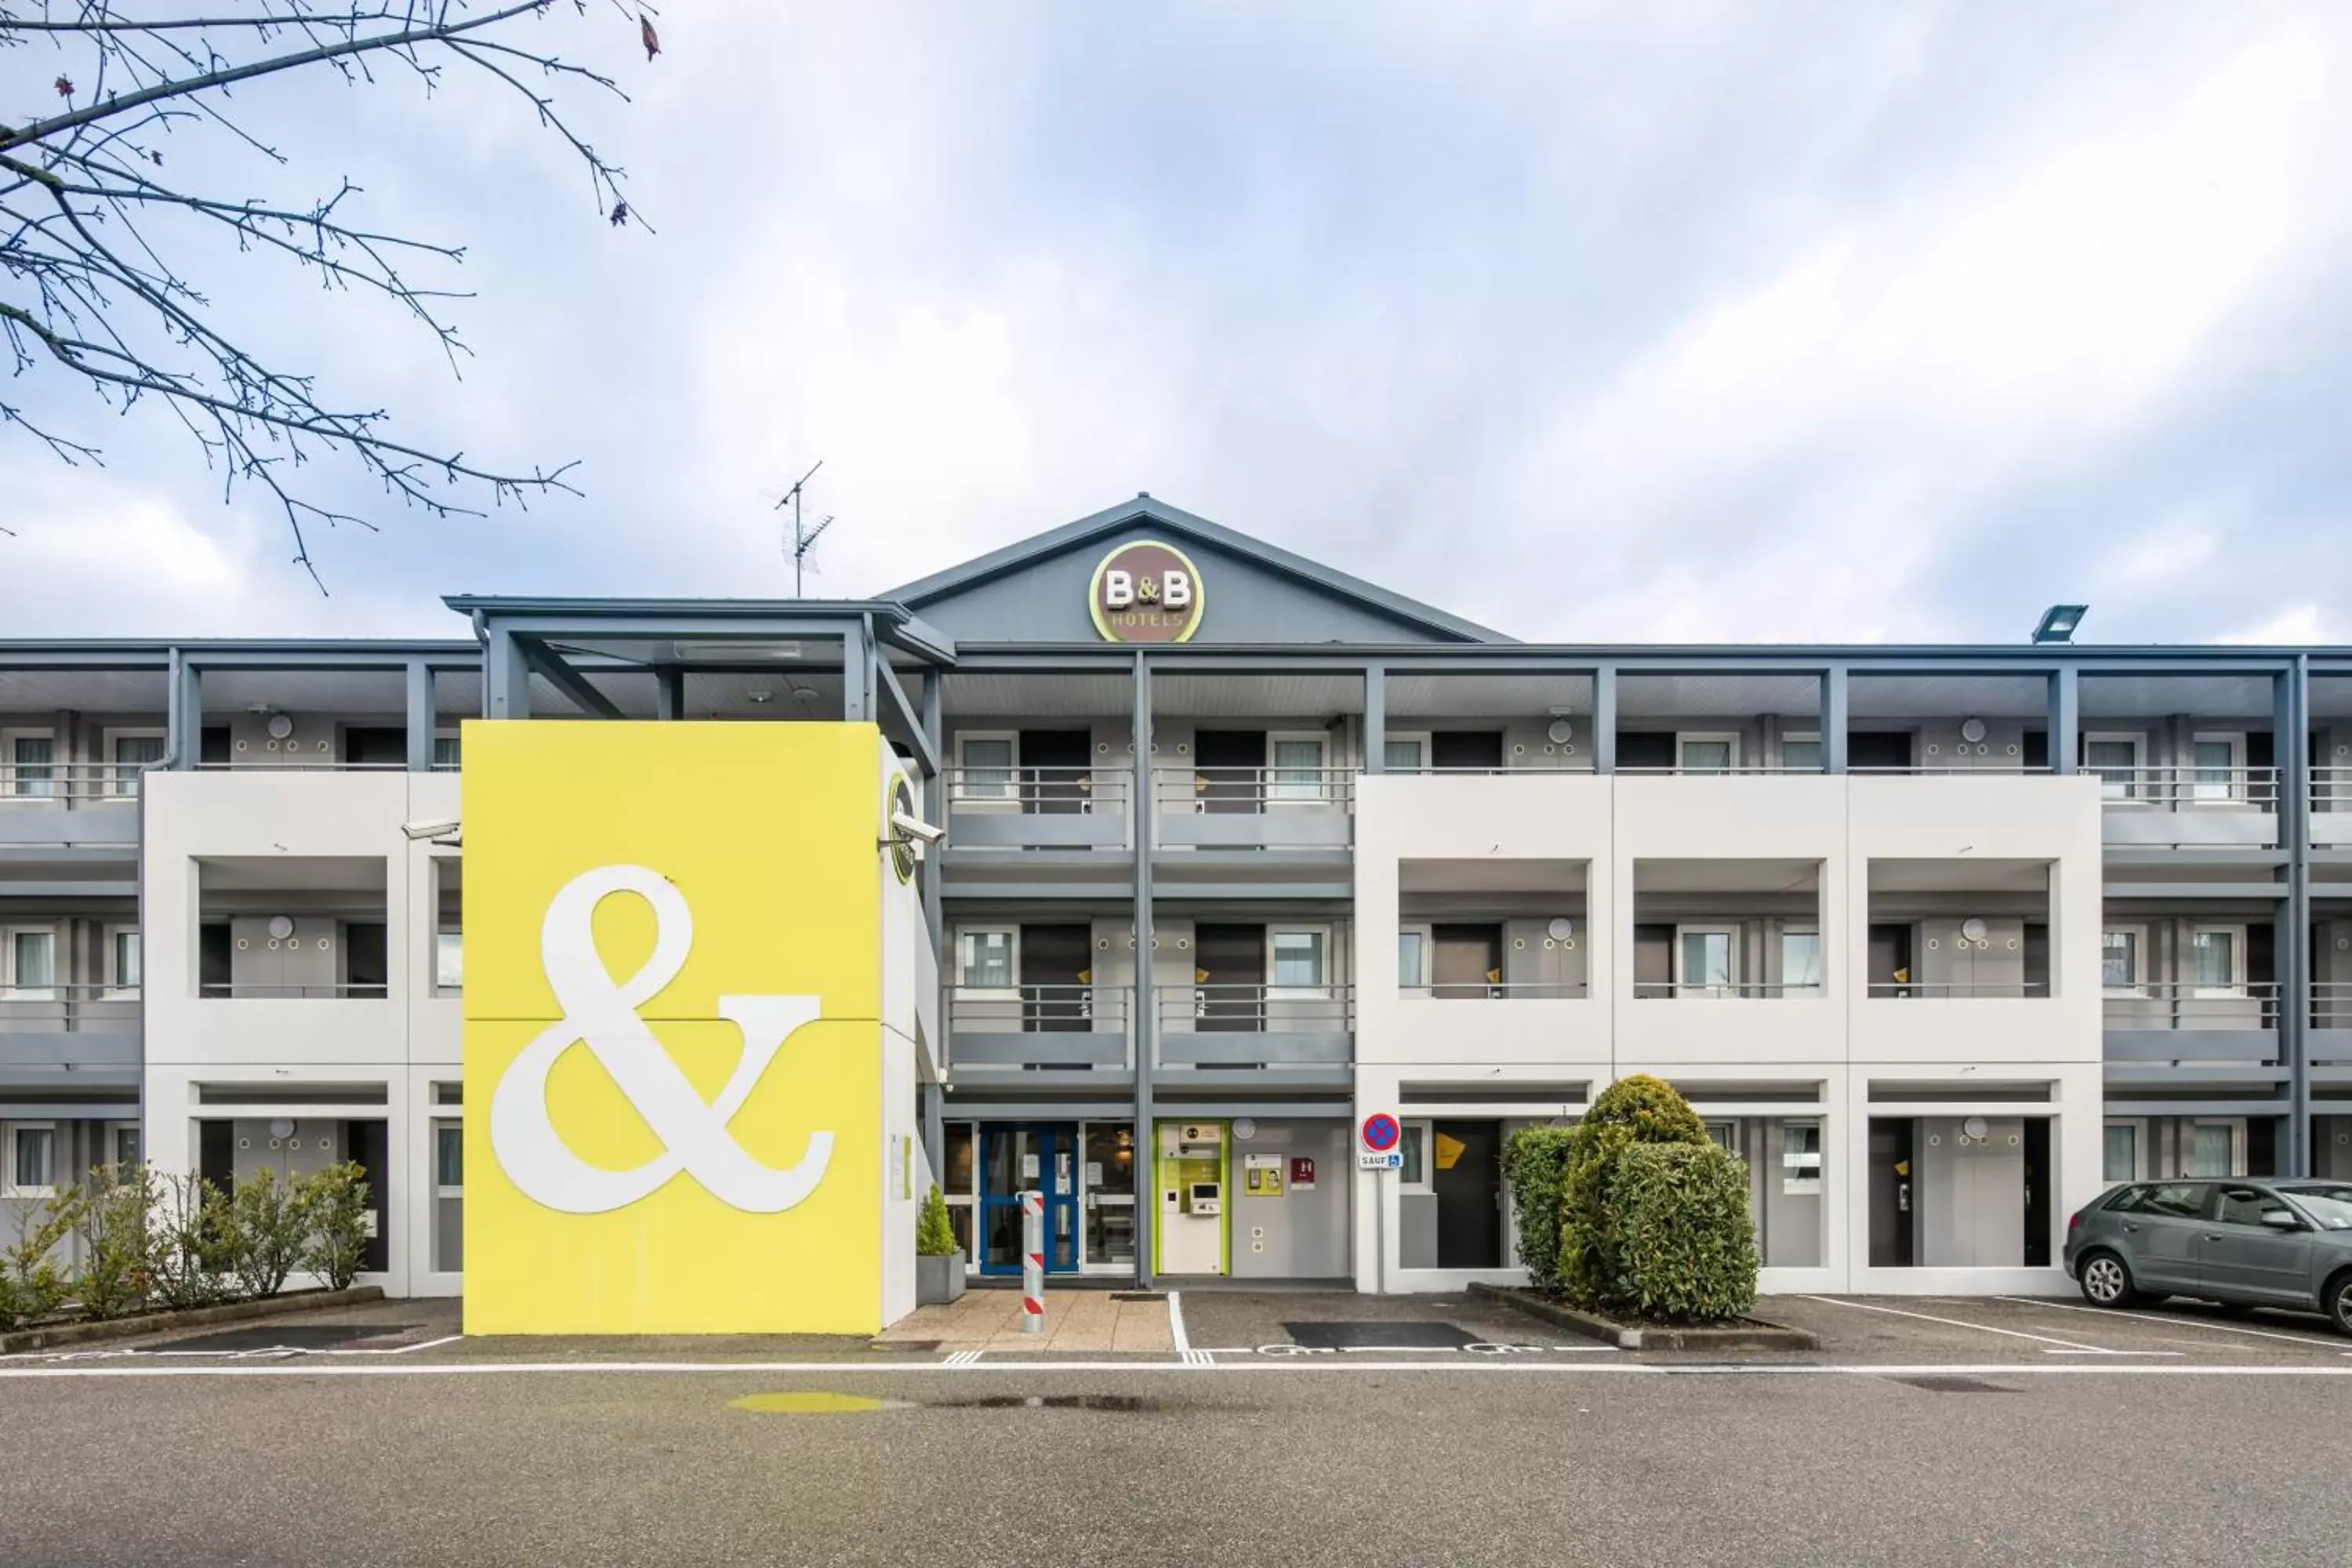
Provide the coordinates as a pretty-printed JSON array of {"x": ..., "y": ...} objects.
[
  {"x": 1146, "y": 591},
  {"x": 687, "y": 1107}
]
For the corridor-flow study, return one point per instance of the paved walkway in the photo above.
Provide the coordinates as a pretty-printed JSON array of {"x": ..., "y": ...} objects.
[{"x": 1074, "y": 1320}]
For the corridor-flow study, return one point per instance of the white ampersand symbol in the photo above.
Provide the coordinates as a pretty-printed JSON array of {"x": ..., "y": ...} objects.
[{"x": 604, "y": 1017}]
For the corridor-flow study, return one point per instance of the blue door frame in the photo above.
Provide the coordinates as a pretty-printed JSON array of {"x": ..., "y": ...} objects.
[{"x": 1055, "y": 1144}]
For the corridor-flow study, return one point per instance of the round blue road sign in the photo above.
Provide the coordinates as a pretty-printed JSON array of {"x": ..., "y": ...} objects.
[{"x": 1380, "y": 1133}]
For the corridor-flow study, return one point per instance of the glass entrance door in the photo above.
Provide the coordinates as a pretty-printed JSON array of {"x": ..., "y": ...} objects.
[
  {"x": 1016, "y": 1159},
  {"x": 1109, "y": 1170}
]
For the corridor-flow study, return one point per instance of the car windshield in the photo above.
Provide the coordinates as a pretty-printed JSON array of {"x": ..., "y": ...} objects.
[{"x": 2330, "y": 1206}]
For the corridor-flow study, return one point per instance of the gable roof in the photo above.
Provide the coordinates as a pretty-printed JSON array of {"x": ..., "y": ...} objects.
[{"x": 1176, "y": 522}]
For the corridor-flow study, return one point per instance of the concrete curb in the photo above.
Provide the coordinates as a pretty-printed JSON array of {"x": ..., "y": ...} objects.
[
  {"x": 1747, "y": 1334},
  {"x": 186, "y": 1318}
]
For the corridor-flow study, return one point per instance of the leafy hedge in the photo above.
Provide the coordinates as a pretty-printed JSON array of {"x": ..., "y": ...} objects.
[
  {"x": 1632, "y": 1113},
  {"x": 1534, "y": 1162},
  {"x": 1684, "y": 1250}
]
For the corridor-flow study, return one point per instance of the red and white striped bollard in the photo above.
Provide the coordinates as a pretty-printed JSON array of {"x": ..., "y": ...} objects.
[{"x": 1033, "y": 1263}]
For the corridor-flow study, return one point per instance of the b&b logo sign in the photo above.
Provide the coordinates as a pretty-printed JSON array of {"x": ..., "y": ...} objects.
[{"x": 1146, "y": 591}]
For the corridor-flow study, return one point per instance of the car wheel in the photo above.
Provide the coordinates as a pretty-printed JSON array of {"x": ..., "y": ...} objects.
[
  {"x": 2338, "y": 1301},
  {"x": 2106, "y": 1282}
]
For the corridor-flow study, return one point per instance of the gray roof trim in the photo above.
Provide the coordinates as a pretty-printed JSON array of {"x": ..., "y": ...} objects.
[
  {"x": 1143, "y": 509},
  {"x": 893, "y": 622}
]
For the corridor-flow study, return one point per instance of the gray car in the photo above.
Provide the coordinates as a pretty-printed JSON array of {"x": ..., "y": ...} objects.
[{"x": 2241, "y": 1243}]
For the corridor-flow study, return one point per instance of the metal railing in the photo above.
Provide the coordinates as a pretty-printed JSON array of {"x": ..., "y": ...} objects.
[
  {"x": 1254, "y": 789},
  {"x": 241, "y": 990},
  {"x": 302, "y": 763},
  {"x": 1700, "y": 990},
  {"x": 2331, "y": 1005},
  {"x": 1040, "y": 790},
  {"x": 2181, "y": 1005},
  {"x": 1509, "y": 991},
  {"x": 70, "y": 783},
  {"x": 68, "y": 1009},
  {"x": 1254, "y": 1009},
  {"x": 2331, "y": 789},
  {"x": 2187, "y": 788},
  {"x": 1038, "y": 1009},
  {"x": 1945, "y": 990}
]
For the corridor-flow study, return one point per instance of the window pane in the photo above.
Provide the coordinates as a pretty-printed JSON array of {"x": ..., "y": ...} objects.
[
  {"x": 1801, "y": 961},
  {"x": 134, "y": 755},
  {"x": 2209, "y": 1151},
  {"x": 126, "y": 1146},
  {"x": 1401, "y": 756},
  {"x": 1297, "y": 772},
  {"x": 32, "y": 1148},
  {"x": 2122, "y": 1152},
  {"x": 1409, "y": 1145},
  {"x": 449, "y": 960},
  {"x": 1298, "y": 958},
  {"x": 449, "y": 1155},
  {"x": 987, "y": 960},
  {"x": 2116, "y": 761},
  {"x": 128, "y": 956},
  {"x": 2213, "y": 959},
  {"x": 988, "y": 768},
  {"x": 1801, "y": 756},
  {"x": 31, "y": 773},
  {"x": 1801, "y": 1159},
  {"x": 447, "y": 751},
  {"x": 1412, "y": 959},
  {"x": 34, "y": 954},
  {"x": 1707, "y": 756},
  {"x": 2119, "y": 960},
  {"x": 2216, "y": 772},
  {"x": 1707, "y": 958}
]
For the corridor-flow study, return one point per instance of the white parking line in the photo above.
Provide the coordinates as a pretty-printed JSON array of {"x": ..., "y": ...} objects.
[
  {"x": 1176, "y": 1322},
  {"x": 2175, "y": 1322},
  {"x": 2067, "y": 1347}
]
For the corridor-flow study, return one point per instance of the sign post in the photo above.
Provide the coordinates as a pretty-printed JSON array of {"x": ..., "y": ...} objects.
[
  {"x": 1380, "y": 1142},
  {"x": 1032, "y": 1262}
]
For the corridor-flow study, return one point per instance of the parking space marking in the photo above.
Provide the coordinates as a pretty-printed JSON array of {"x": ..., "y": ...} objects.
[
  {"x": 2179, "y": 1322},
  {"x": 2065, "y": 1347}
]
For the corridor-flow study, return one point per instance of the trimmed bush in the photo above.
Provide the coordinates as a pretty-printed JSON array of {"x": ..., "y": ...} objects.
[
  {"x": 337, "y": 1205},
  {"x": 1684, "y": 1249},
  {"x": 32, "y": 1286},
  {"x": 934, "y": 1237},
  {"x": 1535, "y": 1161},
  {"x": 112, "y": 1226},
  {"x": 193, "y": 1253},
  {"x": 269, "y": 1226},
  {"x": 1630, "y": 1112}
]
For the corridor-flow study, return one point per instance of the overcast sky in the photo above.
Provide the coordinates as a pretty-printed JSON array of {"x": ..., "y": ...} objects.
[{"x": 1672, "y": 322}]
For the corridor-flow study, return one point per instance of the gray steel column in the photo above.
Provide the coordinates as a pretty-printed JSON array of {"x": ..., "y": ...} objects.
[
  {"x": 1376, "y": 718},
  {"x": 1146, "y": 1031},
  {"x": 184, "y": 706},
  {"x": 934, "y": 801},
  {"x": 2065, "y": 719},
  {"x": 420, "y": 716},
  {"x": 670, "y": 692},
  {"x": 857, "y": 671},
  {"x": 935, "y": 1135},
  {"x": 506, "y": 678},
  {"x": 2291, "y": 747},
  {"x": 1833, "y": 721},
  {"x": 1604, "y": 719}
]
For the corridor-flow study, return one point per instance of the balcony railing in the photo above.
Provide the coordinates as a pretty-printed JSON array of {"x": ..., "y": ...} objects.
[
  {"x": 2175, "y": 1005},
  {"x": 1701, "y": 990},
  {"x": 2331, "y": 1005},
  {"x": 2187, "y": 788},
  {"x": 304, "y": 762},
  {"x": 1036, "y": 1026},
  {"x": 1511, "y": 990},
  {"x": 36, "y": 785},
  {"x": 1266, "y": 808},
  {"x": 245, "y": 991},
  {"x": 2331, "y": 805},
  {"x": 1957, "y": 990},
  {"x": 69, "y": 1009},
  {"x": 1249, "y": 1026},
  {"x": 1038, "y": 809}
]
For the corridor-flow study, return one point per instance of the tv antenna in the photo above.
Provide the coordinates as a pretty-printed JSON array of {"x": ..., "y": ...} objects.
[{"x": 804, "y": 537}]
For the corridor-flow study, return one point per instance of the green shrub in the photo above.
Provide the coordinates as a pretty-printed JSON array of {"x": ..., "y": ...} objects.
[
  {"x": 934, "y": 1237},
  {"x": 193, "y": 1250},
  {"x": 268, "y": 1225},
  {"x": 112, "y": 1225},
  {"x": 1684, "y": 1248},
  {"x": 1534, "y": 1162},
  {"x": 335, "y": 1201},
  {"x": 32, "y": 1285},
  {"x": 1632, "y": 1111}
]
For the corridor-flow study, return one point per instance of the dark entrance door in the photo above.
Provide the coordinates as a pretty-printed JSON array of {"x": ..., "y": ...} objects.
[
  {"x": 1468, "y": 1186},
  {"x": 1878, "y": 749},
  {"x": 2037, "y": 1192},
  {"x": 1231, "y": 764},
  {"x": 1015, "y": 1159},
  {"x": 1645, "y": 749},
  {"x": 1053, "y": 764},
  {"x": 1653, "y": 960},
  {"x": 1890, "y": 960},
  {"x": 1233, "y": 994},
  {"x": 1052, "y": 959},
  {"x": 1467, "y": 749},
  {"x": 1462, "y": 957},
  {"x": 1893, "y": 1195},
  {"x": 366, "y": 1144}
]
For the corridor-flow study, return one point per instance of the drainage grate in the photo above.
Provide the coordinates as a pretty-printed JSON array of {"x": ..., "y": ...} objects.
[
  {"x": 1136, "y": 1296},
  {"x": 1953, "y": 1385},
  {"x": 1380, "y": 1336},
  {"x": 289, "y": 1336}
]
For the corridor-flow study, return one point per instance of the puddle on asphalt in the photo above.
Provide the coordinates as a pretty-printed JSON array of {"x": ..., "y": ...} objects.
[{"x": 821, "y": 1402}]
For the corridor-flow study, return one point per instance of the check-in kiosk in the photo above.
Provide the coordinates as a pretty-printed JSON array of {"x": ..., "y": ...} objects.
[{"x": 1191, "y": 1184}]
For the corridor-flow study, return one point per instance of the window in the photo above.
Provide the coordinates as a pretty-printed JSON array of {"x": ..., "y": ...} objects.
[
  {"x": 1801, "y": 1159},
  {"x": 132, "y": 753},
  {"x": 1405, "y": 754},
  {"x": 448, "y": 753},
  {"x": 2174, "y": 1200},
  {"x": 125, "y": 958},
  {"x": 1297, "y": 773},
  {"x": 987, "y": 763},
  {"x": 448, "y": 960},
  {"x": 31, "y": 756},
  {"x": 122, "y": 1144},
  {"x": 32, "y": 1159},
  {"x": 1412, "y": 1147},
  {"x": 2251, "y": 1207},
  {"x": 2121, "y": 1160},
  {"x": 448, "y": 1157},
  {"x": 1801, "y": 963},
  {"x": 1706, "y": 754},
  {"x": 448, "y": 1196},
  {"x": 31, "y": 956},
  {"x": 2210, "y": 1148},
  {"x": 2217, "y": 771},
  {"x": 1412, "y": 958},
  {"x": 2115, "y": 759},
  {"x": 1297, "y": 959},
  {"x": 2216, "y": 961},
  {"x": 2119, "y": 950},
  {"x": 1801, "y": 753},
  {"x": 984, "y": 959},
  {"x": 1706, "y": 961}
]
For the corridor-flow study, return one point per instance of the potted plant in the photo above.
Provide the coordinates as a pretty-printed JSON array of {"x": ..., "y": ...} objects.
[{"x": 939, "y": 1261}]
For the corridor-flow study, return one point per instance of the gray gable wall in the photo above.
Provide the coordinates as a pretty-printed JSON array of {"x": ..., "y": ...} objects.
[{"x": 1038, "y": 591}]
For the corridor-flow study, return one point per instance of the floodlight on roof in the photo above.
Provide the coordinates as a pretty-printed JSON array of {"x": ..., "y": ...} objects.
[{"x": 2058, "y": 621}]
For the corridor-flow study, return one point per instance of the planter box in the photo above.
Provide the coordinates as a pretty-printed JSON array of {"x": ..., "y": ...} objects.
[
  {"x": 1747, "y": 1335},
  {"x": 83, "y": 1331},
  {"x": 939, "y": 1281}
]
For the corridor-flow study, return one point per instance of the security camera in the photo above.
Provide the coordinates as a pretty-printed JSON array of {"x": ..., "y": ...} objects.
[
  {"x": 446, "y": 828},
  {"x": 915, "y": 828}
]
